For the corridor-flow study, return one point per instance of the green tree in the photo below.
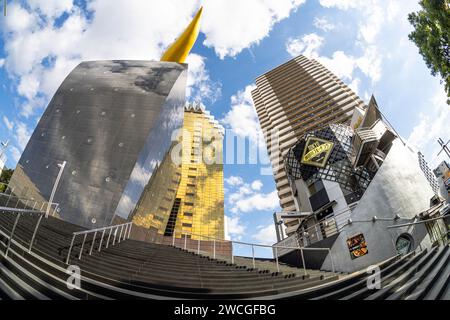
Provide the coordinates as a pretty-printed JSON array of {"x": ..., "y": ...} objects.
[
  {"x": 432, "y": 35},
  {"x": 4, "y": 178}
]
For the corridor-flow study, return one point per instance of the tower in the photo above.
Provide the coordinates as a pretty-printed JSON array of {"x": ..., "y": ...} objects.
[
  {"x": 298, "y": 96},
  {"x": 191, "y": 184}
]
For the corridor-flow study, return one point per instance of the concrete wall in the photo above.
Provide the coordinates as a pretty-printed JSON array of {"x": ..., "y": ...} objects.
[{"x": 303, "y": 196}]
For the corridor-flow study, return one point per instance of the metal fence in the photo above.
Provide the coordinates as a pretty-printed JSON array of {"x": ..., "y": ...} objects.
[
  {"x": 274, "y": 249},
  {"x": 114, "y": 234}
]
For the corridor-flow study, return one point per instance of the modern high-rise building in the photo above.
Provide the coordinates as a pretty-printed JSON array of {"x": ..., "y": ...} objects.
[
  {"x": 428, "y": 173},
  {"x": 111, "y": 121},
  {"x": 104, "y": 134},
  {"x": 442, "y": 173},
  {"x": 296, "y": 97},
  {"x": 186, "y": 196}
]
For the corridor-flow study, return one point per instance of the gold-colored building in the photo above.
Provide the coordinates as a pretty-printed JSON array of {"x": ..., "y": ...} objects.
[{"x": 186, "y": 195}]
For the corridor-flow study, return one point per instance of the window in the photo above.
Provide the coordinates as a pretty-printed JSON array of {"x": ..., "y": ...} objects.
[
  {"x": 189, "y": 225},
  {"x": 315, "y": 187},
  {"x": 404, "y": 243}
]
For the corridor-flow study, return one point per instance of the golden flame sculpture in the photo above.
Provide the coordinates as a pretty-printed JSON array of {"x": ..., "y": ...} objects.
[{"x": 180, "y": 49}]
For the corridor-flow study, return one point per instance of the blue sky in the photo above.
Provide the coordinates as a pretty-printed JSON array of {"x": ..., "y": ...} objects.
[{"x": 363, "y": 41}]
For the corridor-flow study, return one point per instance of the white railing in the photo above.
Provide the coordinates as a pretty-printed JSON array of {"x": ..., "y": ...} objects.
[
  {"x": 274, "y": 248},
  {"x": 329, "y": 226},
  {"x": 21, "y": 211},
  {"x": 27, "y": 203},
  {"x": 125, "y": 231}
]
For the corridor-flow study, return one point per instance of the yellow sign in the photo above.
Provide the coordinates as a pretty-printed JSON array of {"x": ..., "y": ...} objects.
[{"x": 316, "y": 152}]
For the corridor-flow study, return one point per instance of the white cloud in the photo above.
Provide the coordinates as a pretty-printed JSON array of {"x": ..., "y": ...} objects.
[
  {"x": 372, "y": 24},
  {"x": 370, "y": 63},
  {"x": 340, "y": 64},
  {"x": 9, "y": 124},
  {"x": 19, "y": 19},
  {"x": 51, "y": 8},
  {"x": 234, "y": 229},
  {"x": 246, "y": 196},
  {"x": 199, "y": 85},
  {"x": 266, "y": 234},
  {"x": 233, "y": 25},
  {"x": 242, "y": 119},
  {"x": 354, "y": 85},
  {"x": 340, "y": 4},
  {"x": 15, "y": 153},
  {"x": 40, "y": 52},
  {"x": 22, "y": 134},
  {"x": 2, "y": 62},
  {"x": 234, "y": 181},
  {"x": 29, "y": 85},
  {"x": 432, "y": 125},
  {"x": 323, "y": 24},
  {"x": 257, "y": 202},
  {"x": 308, "y": 45},
  {"x": 257, "y": 185}
]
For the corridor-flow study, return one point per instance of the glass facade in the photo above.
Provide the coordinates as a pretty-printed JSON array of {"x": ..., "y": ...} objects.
[
  {"x": 338, "y": 168},
  {"x": 112, "y": 122},
  {"x": 193, "y": 195}
]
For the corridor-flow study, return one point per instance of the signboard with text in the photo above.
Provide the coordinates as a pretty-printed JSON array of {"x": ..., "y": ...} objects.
[{"x": 316, "y": 152}]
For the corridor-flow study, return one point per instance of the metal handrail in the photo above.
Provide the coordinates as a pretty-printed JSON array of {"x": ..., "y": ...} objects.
[
  {"x": 417, "y": 222},
  {"x": 28, "y": 201},
  {"x": 340, "y": 213},
  {"x": 122, "y": 236},
  {"x": 253, "y": 245},
  {"x": 20, "y": 212}
]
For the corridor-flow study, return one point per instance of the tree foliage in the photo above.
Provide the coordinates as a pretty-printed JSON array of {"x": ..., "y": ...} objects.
[
  {"x": 4, "y": 178},
  {"x": 432, "y": 35}
]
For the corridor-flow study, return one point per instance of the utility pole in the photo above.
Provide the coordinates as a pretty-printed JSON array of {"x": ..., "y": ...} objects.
[
  {"x": 4, "y": 7},
  {"x": 444, "y": 147}
]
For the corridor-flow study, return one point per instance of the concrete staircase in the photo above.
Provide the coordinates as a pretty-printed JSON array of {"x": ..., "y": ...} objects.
[
  {"x": 270, "y": 264},
  {"x": 139, "y": 270},
  {"x": 131, "y": 269}
]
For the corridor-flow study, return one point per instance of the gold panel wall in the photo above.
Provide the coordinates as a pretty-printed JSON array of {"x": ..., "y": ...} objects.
[{"x": 186, "y": 196}]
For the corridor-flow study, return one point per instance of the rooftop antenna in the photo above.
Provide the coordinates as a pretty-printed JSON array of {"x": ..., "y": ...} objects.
[
  {"x": 444, "y": 147},
  {"x": 4, "y": 146}
]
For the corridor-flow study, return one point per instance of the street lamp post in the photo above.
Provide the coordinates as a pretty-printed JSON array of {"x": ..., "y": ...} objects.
[{"x": 50, "y": 201}]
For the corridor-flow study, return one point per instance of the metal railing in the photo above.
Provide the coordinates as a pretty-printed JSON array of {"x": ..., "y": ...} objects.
[
  {"x": 19, "y": 213},
  {"x": 123, "y": 235},
  {"x": 10, "y": 201},
  {"x": 252, "y": 246},
  {"x": 329, "y": 226}
]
